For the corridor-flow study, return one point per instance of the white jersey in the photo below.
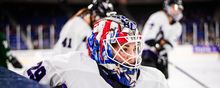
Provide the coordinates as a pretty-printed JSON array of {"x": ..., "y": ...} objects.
[
  {"x": 78, "y": 70},
  {"x": 73, "y": 36},
  {"x": 159, "y": 22}
]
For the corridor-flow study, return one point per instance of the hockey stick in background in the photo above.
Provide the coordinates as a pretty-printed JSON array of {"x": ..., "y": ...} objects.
[{"x": 187, "y": 74}]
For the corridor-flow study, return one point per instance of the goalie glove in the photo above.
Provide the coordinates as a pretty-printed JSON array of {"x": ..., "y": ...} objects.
[{"x": 154, "y": 45}]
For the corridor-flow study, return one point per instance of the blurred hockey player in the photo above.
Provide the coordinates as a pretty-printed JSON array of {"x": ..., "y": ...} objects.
[
  {"x": 160, "y": 34},
  {"x": 74, "y": 33},
  {"x": 113, "y": 62},
  {"x": 6, "y": 55}
]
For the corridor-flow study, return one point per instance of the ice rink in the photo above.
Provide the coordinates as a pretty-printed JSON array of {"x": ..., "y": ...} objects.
[
  {"x": 189, "y": 70},
  {"x": 205, "y": 68}
]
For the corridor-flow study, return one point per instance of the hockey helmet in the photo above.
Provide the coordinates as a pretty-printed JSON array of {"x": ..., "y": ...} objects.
[
  {"x": 174, "y": 8},
  {"x": 111, "y": 30},
  {"x": 100, "y": 7}
]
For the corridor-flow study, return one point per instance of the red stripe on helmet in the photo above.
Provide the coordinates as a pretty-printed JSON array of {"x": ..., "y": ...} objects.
[
  {"x": 103, "y": 36},
  {"x": 122, "y": 40}
]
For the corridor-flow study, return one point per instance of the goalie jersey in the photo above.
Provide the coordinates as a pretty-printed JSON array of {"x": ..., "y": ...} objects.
[{"x": 78, "y": 70}]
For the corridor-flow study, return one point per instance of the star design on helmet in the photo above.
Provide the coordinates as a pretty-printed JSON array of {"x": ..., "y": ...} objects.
[{"x": 118, "y": 70}]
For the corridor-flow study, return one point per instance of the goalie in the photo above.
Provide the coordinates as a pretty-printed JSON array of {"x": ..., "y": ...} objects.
[
  {"x": 76, "y": 30},
  {"x": 113, "y": 61}
]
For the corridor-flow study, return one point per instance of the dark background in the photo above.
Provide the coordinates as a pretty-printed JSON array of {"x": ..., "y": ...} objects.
[{"x": 57, "y": 12}]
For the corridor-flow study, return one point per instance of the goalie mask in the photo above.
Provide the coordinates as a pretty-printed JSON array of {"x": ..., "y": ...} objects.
[{"x": 116, "y": 45}]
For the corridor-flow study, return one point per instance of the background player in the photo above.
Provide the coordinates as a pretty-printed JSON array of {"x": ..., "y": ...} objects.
[
  {"x": 160, "y": 34},
  {"x": 74, "y": 33},
  {"x": 114, "y": 61}
]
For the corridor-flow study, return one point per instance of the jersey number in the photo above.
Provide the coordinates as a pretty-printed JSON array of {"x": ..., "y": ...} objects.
[
  {"x": 67, "y": 42},
  {"x": 39, "y": 72}
]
